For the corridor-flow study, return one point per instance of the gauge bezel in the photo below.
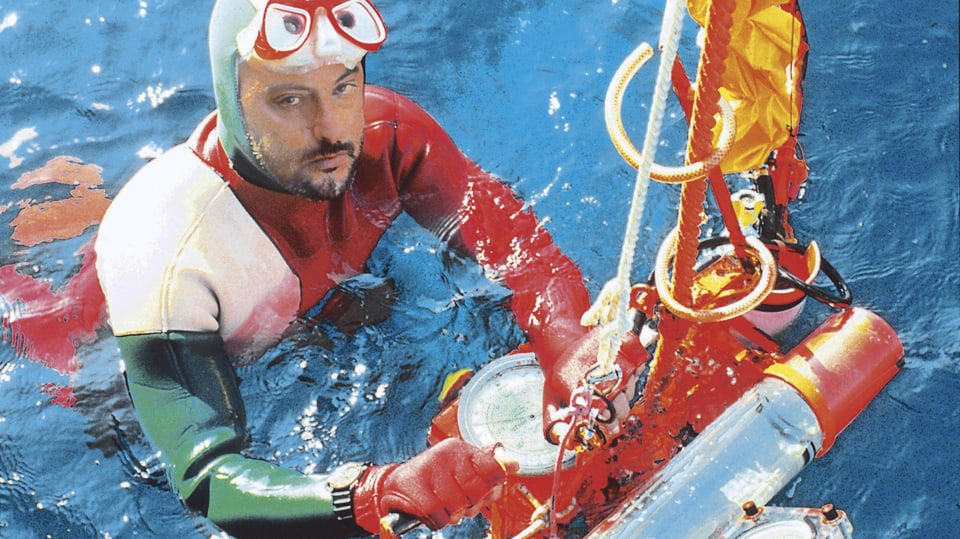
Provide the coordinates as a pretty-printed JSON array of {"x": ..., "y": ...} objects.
[{"x": 520, "y": 368}]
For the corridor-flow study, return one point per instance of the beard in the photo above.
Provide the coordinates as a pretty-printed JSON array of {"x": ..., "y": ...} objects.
[
  {"x": 318, "y": 184},
  {"x": 325, "y": 186},
  {"x": 304, "y": 175}
]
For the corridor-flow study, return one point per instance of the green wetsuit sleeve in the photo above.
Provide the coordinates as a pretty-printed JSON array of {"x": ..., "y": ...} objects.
[{"x": 186, "y": 396}]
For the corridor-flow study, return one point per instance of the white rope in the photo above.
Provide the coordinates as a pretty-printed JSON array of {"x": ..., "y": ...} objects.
[{"x": 611, "y": 310}]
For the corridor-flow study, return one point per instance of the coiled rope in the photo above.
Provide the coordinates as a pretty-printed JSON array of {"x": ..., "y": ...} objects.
[{"x": 762, "y": 289}]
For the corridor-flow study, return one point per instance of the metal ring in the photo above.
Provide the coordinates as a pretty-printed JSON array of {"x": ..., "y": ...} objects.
[{"x": 765, "y": 285}]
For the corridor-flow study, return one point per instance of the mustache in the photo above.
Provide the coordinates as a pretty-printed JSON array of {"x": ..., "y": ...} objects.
[{"x": 327, "y": 147}]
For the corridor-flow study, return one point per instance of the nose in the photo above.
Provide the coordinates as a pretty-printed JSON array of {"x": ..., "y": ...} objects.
[{"x": 326, "y": 124}]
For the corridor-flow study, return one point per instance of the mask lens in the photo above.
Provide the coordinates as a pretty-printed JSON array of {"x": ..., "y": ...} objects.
[
  {"x": 286, "y": 28},
  {"x": 360, "y": 21}
]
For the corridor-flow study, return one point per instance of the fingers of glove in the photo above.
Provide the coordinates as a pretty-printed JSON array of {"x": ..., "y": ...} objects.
[
  {"x": 481, "y": 473},
  {"x": 422, "y": 505},
  {"x": 368, "y": 508},
  {"x": 444, "y": 481},
  {"x": 463, "y": 474},
  {"x": 414, "y": 489},
  {"x": 581, "y": 360},
  {"x": 487, "y": 463}
]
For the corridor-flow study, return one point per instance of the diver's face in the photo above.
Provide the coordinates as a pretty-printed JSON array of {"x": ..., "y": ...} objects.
[{"x": 305, "y": 128}]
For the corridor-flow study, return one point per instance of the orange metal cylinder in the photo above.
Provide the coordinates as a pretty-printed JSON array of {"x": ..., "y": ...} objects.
[{"x": 841, "y": 367}]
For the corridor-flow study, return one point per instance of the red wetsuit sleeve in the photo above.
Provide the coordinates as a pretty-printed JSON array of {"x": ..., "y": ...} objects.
[{"x": 451, "y": 195}]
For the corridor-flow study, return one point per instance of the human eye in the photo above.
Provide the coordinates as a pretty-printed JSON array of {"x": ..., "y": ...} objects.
[
  {"x": 288, "y": 100},
  {"x": 346, "y": 88}
]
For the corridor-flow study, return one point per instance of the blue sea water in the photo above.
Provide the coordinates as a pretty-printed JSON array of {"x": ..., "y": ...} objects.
[{"x": 519, "y": 85}]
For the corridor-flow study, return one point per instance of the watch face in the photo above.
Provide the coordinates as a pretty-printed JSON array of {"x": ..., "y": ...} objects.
[
  {"x": 345, "y": 476},
  {"x": 503, "y": 403}
]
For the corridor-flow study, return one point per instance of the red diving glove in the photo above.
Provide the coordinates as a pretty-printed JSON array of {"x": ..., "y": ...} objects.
[
  {"x": 438, "y": 487},
  {"x": 565, "y": 376}
]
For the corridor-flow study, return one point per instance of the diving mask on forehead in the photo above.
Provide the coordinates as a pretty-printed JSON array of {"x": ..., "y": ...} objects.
[{"x": 302, "y": 34}]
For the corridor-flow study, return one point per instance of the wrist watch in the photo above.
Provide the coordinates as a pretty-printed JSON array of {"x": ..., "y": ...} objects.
[{"x": 342, "y": 482}]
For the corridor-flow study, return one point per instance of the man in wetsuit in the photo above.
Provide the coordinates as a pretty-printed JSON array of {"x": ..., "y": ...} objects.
[{"x": 215, "y": 249}]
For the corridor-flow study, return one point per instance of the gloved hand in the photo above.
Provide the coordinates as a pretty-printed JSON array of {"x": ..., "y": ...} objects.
[
  {"x": 565, "y": 375},
  {"x": 438, "y": 487}
]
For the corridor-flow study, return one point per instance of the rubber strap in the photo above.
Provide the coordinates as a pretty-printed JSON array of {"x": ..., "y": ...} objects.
[{"x": 186, "y": 395}]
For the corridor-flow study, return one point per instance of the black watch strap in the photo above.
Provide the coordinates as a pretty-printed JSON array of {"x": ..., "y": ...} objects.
[{"x": 343, "y": 482}]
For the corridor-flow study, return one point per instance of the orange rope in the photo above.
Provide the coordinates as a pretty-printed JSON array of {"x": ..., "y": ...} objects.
[
  {"x": 706, "y": 105},
  {"x": 674, "y": 330},
  {"x": 721, "y": 193}
]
